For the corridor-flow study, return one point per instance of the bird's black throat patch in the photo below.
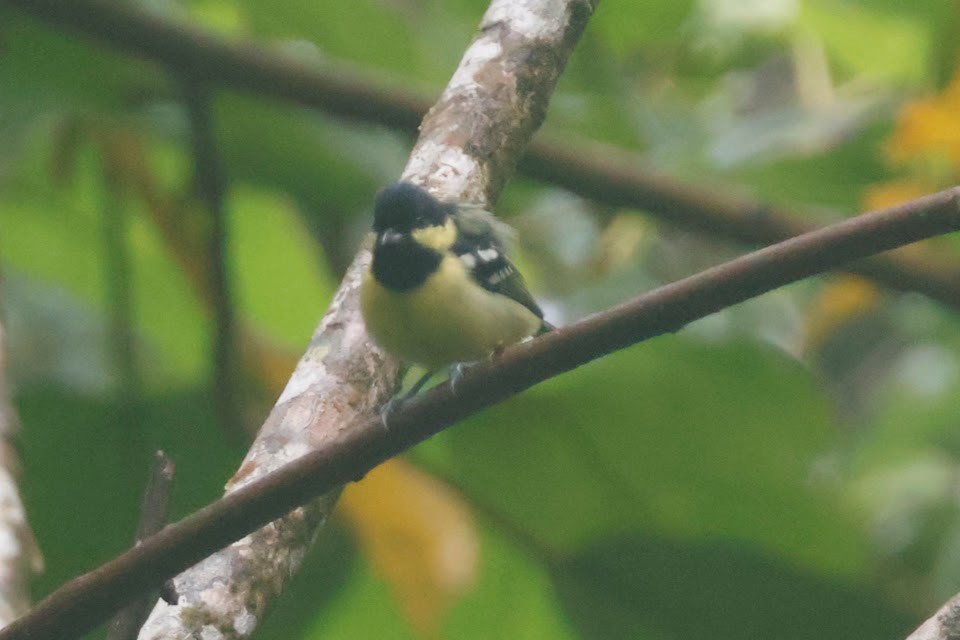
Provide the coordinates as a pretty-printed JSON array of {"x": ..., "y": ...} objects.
[{"x": 405, "y": 265}]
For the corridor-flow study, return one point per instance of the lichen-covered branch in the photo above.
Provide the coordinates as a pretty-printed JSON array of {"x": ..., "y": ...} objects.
[
  {"x": 944, "y": 625},
  {"x": 472, "y": 138},
  {"x": 19, "y": 555},
  {"x": 469, "y": 144}
]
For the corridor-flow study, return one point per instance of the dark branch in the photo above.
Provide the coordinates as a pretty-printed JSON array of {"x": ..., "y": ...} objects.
[
  {"x": 598, "y": 172},
  {"x": 210, "y": 185},
  {"x": 86, "y": 601},
  {"x": 153, "y": 516},
  {"x": 614, "y": 177},
  {"x": 205, "y": 57},
  {"x": 155, "y": 508}
]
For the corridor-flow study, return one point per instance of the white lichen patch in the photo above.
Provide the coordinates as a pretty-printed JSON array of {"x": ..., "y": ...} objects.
[
  {"x": 446, "y": 165},
  {"x": 245, "y": 623},
  {"x": 534, "y": 20},
  {"x": 210, "y": 632},
  {"x": 309, "y": 373},
  {"x": 476, "y": 58},
  {"x": 10, "y": 547}
]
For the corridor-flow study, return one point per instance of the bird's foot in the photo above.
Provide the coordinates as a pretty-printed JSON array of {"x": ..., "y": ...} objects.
[
  {"x": 457, "y": 372},
  {"x": 389, "y": 409},
  {"x": 393, "y": 405}
]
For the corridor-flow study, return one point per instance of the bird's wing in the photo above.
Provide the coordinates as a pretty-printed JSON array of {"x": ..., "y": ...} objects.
[{"x": 480, "y": 247}]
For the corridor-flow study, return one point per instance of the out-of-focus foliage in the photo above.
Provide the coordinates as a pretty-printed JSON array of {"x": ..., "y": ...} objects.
[{"x": 784, "y": 469}]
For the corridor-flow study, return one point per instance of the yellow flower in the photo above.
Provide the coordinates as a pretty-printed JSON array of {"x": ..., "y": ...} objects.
[{"x": 929, "y": 129}]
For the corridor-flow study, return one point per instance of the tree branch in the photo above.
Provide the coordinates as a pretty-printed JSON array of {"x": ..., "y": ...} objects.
[
  {"x": 87, "y": 600},
  {"x": 19, "y": 555},
  {"x": 210, "y": 185},
  {"x": 599, "y": 172},
  {"x": 212, "y": 60},
  {"x": 154, "y": 510},
  {"x": 944, "y": 625},
  {"x": 616, "y": 178},
  {"x": 468, "y": 146}
]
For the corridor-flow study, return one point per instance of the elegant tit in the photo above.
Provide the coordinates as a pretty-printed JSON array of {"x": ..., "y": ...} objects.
[{"x": 440, "y": 290}]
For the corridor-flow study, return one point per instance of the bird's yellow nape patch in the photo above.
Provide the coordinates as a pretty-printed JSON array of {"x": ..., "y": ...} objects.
[{"x": 437, "y": 237}]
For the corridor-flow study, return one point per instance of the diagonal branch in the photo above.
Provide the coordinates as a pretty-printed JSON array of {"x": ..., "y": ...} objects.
[
  {"x": 602, "y": 173},
  {"x": 468, "y": 147},
  {"x": 943, "y": 625},
  {"x": 87, "y": 600}
]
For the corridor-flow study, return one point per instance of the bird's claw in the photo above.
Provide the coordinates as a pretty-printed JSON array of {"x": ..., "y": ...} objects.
[
  {"x": 457, "y": 372},
  {"x": 389, "y": 408}
]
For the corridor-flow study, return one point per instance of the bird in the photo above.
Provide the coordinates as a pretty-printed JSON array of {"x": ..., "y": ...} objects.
[{"x": 440, "y": 290}]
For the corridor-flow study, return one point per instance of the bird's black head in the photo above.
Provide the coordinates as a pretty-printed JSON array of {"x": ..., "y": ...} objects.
[
  {"x": 404, "y": 207},
  {"x": 413, "y": 231}
]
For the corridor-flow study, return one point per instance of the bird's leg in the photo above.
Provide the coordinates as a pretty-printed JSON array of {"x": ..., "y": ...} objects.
[
  {"x": 415, "y": 389},
  {"x": 393, "y": 405},
  {"x": 458, "y": 370}
]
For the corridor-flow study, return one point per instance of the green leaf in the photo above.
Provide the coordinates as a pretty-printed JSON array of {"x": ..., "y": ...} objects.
[
  {"x": 366, "y": 31},
  {"x": 635, "y": 588},
  {"x": 869, "y": 41},
  {"x": 85, "y": 465},
  {"x": 625, "y": 28},
  {"x": 513, "y": 596},
  {"x": 59, "y": 236},
  {"x": 361, "y": 608},
  {"x": 281, "y": 282},
  {"x": 685, "y": 439},
  {"x": 298, "y": 152},
  {"x": 43, "y": 70}
]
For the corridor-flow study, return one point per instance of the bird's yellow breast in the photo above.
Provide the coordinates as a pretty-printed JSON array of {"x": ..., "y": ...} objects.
[{"x": 448, "y": 319}]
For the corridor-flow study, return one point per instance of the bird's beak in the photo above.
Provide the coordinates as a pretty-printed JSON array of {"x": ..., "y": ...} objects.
[{"x": 389, "y": 236}]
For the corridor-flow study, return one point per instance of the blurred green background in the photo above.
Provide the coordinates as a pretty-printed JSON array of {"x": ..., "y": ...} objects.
[{"x": 784, "y": 469}]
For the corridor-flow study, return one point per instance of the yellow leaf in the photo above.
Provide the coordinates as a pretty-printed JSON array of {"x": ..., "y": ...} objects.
[
  {"x": 419, "y": 535},
  {"x": 889, "y": 194},
  {"x": 929, "y": 129}
]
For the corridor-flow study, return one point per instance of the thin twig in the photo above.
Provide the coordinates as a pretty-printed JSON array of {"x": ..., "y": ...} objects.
[
  {"x": 154, "y": 513},
  {"x": 210, "y": 185},
  {"x": 84, "y": 602}
]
